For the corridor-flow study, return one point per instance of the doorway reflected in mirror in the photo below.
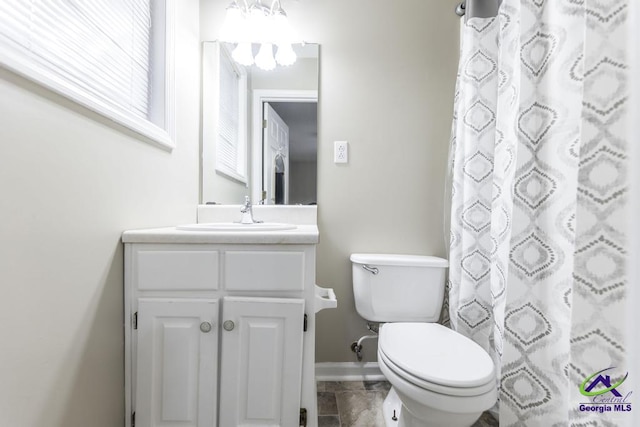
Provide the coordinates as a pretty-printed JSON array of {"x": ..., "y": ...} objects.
[{"x": 290, "y": 146}]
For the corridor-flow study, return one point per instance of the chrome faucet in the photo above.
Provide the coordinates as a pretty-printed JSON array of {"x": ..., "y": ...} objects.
[{"x": 247, "y": 212}]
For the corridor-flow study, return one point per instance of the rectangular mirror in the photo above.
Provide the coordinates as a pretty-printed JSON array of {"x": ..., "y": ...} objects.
[{"x": 259, "y": 128}]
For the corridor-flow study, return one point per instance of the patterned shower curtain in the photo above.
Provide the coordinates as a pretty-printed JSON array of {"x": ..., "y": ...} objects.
[{"x": 539, "y": 189}]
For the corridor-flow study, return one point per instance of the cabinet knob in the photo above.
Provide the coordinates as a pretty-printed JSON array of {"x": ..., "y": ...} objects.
[
  {"x": 205, "y": 327},
  {"x": 228, "y": 325}
]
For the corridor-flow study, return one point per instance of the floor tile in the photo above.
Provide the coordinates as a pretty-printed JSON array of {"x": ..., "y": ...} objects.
[
  {"x": 383, "y": 386},
  {"x": 359, "y": 404},
  {"x": 360, "y": 408},
  {"x": 329, "y": 421},
  {"x": 343, "y": 385},
  {"x": 486, "y": 420},
  {"x": 327, "y": 404}
]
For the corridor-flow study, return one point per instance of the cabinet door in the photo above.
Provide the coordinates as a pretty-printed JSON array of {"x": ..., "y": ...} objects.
[
  {"x": 177, "y": 363},
  {"x": 261, "y": 365}
]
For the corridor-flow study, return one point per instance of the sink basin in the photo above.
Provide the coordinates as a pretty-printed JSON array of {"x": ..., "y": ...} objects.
[{"x": 236, "y": 226}]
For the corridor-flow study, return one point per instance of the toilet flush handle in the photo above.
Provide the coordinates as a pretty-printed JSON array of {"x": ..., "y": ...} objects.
[{"x": 371, "y": 270}]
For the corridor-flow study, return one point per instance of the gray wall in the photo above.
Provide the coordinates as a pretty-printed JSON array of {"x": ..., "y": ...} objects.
[
  {"x": 70, "y": 183},
  {"x": 387, "y": 76}
]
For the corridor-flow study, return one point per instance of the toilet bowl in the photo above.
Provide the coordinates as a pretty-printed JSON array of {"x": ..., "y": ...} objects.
[{"x": 439, "y": 377}]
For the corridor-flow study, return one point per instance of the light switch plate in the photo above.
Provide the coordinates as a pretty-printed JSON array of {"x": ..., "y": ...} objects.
[{"x": 341, "y": 152}]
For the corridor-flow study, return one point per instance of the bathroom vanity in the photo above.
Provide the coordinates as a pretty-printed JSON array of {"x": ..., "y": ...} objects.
[{"x": 220, "y": 325}]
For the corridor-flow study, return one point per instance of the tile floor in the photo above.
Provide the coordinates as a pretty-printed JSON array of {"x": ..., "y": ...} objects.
[{"x": 359, "y": 404}]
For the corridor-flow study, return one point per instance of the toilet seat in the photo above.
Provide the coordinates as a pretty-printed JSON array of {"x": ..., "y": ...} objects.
[
  {"x": 420, "y": 400},
  {"x": 436, "y": 358},
  {"x": 436, "y": 388}
]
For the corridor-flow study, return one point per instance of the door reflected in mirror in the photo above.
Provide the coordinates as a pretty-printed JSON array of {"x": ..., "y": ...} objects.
[{"x": 259, "y": 129}]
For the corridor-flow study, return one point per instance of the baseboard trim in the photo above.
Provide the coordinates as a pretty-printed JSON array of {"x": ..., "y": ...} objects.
[{"x": 348, "y": 371}]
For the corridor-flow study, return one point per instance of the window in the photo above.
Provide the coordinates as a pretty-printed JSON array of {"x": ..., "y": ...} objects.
[
  {"x": 231, "y": 141},
  {"x": 107, "y": 55}
]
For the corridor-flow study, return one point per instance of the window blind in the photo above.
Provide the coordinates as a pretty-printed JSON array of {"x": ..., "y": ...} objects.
[
  {"x": 228, "y": 159},
  {"x": 101, "y": 48}
]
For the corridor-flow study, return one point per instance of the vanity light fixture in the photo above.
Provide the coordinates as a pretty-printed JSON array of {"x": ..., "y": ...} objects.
[{"x": 251, "y": 21}]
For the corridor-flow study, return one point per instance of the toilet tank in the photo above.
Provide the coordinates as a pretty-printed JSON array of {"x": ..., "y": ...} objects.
[{"x": 398, "y": 288}]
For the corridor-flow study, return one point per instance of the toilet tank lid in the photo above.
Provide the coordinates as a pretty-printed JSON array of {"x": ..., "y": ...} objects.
[{"x": 399, "y": 260}]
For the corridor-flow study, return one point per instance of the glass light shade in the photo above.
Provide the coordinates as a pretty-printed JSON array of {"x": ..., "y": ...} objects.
[
  {"x": 264, "y": 58},
  {"x": 257, "y": 25},
  {"x": 242, "y": 54},
  {"x": 285, "y": 55},
  {"x": 233, "y": 26},
  {"x": 270, "y": 31},
  {"x": 282, "y": 31}
]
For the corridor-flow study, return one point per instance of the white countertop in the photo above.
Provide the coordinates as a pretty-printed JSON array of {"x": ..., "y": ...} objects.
[
  {"x": 302, "y": 235},
  {"x": 304, "y": 217}
]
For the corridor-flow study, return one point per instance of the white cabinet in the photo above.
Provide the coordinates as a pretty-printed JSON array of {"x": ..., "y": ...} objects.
[
  {"x": 261, "y": 361},
  {"x": 177, "y": 362},
  {"x": 215, "y": 335}
]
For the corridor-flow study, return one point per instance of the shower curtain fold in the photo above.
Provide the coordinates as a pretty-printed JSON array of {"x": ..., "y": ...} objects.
[{"x": 539, "y": 191}]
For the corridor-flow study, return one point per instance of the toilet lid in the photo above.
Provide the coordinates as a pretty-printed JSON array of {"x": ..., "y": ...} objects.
[{"x": 436, "y": 354}]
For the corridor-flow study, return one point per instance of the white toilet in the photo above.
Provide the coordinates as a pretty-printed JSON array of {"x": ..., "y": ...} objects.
[{"x": 439, "y": 377}]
